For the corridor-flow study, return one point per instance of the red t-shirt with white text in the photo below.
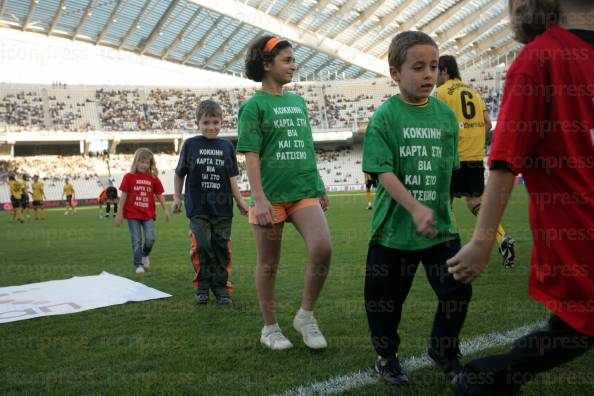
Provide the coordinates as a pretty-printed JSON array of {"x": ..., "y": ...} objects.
[
  {"x": 141, "y": 189},
  {"x": 546, "y": 132}
]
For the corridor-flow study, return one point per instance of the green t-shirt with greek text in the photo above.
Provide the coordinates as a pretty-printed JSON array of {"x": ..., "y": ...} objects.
[
  {"x": 419, "y": 144},
  {"x": 277, "y": 128}
]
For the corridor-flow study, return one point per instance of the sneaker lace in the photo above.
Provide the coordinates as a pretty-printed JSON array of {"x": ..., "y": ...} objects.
[
  {"x": 312, "y": 329},
  {"x": 276, "y": 336}
]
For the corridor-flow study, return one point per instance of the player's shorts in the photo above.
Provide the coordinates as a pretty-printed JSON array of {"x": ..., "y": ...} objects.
[
  {"x": 371, "y": 183},
  {"x": 469, "y": 180},
  {"x": 16, "y": 202},
  {"x": 38, "y": 204},
  {"x": 69, "y": 199},
  {"x": 283, "y": 211},
  {"x": 112, "y": 195},
  {"x": 24, "y": 202}
]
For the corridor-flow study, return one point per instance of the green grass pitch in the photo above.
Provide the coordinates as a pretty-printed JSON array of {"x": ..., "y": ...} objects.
[{"x": 173, "y": 346}]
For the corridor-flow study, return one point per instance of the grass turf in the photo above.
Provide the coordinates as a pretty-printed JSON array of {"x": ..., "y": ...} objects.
[{"x": 173, "y": 346}]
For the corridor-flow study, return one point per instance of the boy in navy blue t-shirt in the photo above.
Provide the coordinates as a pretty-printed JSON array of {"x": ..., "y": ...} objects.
[{"x": 209, "y": 166}]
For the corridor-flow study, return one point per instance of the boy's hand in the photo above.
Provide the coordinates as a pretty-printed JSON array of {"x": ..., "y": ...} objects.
[
  {"x": 177, "y": 204},
  {"x": 470, "y": 261},
  {"x": 325, "y": 202},
  {"x": 167, "y": 216},
  {"x": 424, "y": 220},
  {"x": 118, "y": 220},
  {"x": 243, "y": 207},
  {"x": 264, "y": 212}
]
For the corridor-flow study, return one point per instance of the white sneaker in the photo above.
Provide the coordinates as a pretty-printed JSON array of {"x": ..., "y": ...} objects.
[
  {"x": 146, "y": 262},
  {"x": 65, "y": 213},
  {"x": 275, "y": 340},
  {"x": 308, "y": 328},
  {"x": 140, "y": 269}
]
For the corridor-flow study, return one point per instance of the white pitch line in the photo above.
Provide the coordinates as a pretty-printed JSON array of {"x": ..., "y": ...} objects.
[{"x": 363, "y": 378}]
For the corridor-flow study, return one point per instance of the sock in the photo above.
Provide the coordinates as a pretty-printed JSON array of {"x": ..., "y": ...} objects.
[
  {"x": 368, "y": 197},
  {"x": 115, "y": 209},
  {"x": 107, "y": 208},
  {"x": 267, "y": 329},
  {"x": 305, "y": 313},
  {"x": 500, "y": 234}
]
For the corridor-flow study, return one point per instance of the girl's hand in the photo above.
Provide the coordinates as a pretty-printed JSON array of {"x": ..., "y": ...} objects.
[
  {"x": 424, "y": 220},
  {"x": 243, "y": 207},
  {"x": 118, "y": 220},
  {"x": 264, "y": 212},
  {"x": 325, "y": 202},
  {"x": 470, "y": 261}
]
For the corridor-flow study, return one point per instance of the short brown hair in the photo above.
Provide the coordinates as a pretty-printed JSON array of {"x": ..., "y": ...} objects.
[
  {"x": 209, "y": 108},
  {"x": 402, "y": 42},
  {"x": 529, "y": 18}
]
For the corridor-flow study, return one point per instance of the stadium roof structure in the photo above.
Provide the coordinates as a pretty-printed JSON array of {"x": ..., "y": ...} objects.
[{"x": 332, "y": 38}]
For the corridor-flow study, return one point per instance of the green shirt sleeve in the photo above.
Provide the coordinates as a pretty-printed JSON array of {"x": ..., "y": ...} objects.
[
  {"x": 249, "y": 130},
  {"x": 378, "y": 156}
]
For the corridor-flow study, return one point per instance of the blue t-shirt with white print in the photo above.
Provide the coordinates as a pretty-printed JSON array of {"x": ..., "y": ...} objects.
[{"x": 208, "y": 165}]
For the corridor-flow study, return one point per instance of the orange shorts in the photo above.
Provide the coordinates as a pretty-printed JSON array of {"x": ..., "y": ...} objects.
[{"x": 283, "y": 211}]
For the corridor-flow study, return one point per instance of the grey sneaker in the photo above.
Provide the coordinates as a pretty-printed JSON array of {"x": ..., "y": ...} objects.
[
  {"x": 308, "y": 328},
  {"x": 202, "y": 298},
  {"x": 275, "y": 340}
]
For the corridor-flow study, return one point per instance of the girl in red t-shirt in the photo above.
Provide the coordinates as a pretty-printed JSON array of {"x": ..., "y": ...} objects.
[
  {"x": 546, "y": 132},
  {"x": 137, "y": 205}
]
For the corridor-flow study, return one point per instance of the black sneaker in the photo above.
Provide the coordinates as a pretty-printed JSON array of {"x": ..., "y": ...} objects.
[
  {"x": 224, "y": 300},
  {"x": 391, "y": 373},
  {"x": 202, "y": 298},
  {"x": 448, "y": 363}
]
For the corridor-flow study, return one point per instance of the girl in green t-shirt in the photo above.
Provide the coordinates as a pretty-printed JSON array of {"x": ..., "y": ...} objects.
[{"x": 275, "y": 135}]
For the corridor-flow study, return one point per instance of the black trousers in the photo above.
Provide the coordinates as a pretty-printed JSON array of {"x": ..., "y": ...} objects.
[
  {"x": 389, "y": 276},
  {"x": 536, "y": 352},
  {"x": 212, "y": 239}
]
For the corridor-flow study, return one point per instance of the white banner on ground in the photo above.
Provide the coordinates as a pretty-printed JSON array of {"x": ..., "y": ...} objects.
[{"x": 69, "y": 296}]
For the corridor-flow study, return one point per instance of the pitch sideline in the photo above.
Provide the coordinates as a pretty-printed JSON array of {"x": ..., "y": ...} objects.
[{"x": 366, "y": 377}]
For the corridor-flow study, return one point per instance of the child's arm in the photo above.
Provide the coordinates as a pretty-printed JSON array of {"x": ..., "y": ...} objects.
[
  {"x": 473, "y": 258},
  {"x": 422, "y": 215},
  {"x": 161, "y": 199},
  {"x": 120, "y": 216},
  {"x": 178, "y": 182},
  {"x": 243, "y": 207},
  {"x": 263, "y": 207}
]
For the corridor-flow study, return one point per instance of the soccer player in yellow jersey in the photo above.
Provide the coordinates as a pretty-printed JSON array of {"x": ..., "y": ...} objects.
[
  {"x": 38, "y": 197},
  {"x": 69, "y": 193},
  {"x": 370, "y": 182},
  {"x": 474, "y": 122},
  {"x": 16, "y": 193}
]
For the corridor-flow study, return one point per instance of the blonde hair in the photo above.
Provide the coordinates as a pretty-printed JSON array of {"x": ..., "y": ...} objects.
[
  {"x": 529, "y": 18},
  {"x": 143, "y": 154}
]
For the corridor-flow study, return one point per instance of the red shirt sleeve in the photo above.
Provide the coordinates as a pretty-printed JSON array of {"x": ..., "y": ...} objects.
[
  {"x": 522, "y": 122},
  {"x": 125, "y": 185},
  {"x": 157, "y": 186}
]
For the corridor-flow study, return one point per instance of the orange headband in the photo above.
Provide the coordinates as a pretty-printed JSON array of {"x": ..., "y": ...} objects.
[{"x": 270, "y": 44}]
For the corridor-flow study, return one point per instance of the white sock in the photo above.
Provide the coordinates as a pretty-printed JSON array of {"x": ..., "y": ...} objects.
[
  {"x": 304, "y": 313},
  {"x": 267, "y": 329}
]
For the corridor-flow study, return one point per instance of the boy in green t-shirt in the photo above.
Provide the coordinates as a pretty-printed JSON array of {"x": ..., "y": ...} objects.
[{"x": 411, "y": 145}]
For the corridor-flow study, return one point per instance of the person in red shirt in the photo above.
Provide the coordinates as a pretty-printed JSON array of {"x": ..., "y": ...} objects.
[
  {"x": 137, "y": 205},
  {"x": 546, "y": 132}
]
